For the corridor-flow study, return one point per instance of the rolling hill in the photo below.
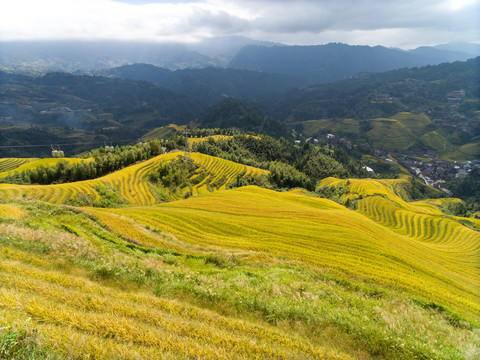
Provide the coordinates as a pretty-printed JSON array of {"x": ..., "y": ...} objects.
[
  {"x": 79, "y": 111},
  {"x": 131, "y": 184},
  {"x": 210, "y": 85},
  {"x": 233, "y": 273},
  {"x": 253, "y": 219},
  {"x": 9, "y": 166}
]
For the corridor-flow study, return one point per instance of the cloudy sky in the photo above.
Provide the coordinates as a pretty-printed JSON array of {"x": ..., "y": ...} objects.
[{"x": 404, "y": 23}]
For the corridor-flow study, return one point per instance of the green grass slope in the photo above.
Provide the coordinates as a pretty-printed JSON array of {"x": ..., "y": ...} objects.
[{"x": 399, "y": 132}]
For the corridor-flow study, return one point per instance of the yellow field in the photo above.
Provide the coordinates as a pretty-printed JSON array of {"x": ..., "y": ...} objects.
[
  {"x": 29, "y": 164},
  {"x": 148, "y": 282},
  {"x": 163, "y": 132},
  {"x": 192, "y": 141},
  {"x": 7, "y": 164},
  {"x": 130, "y": 182},
  {"x": 432, "y": 257},
  {"x": 10, "y": 211},
  {"x": 84, "y": 319}
]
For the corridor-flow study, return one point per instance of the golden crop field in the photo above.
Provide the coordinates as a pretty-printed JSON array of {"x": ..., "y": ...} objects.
[
  {"x": 429, "y": 256},
  {"x": 194, "y": 140},
  {"x": 162, "y": 132},
  {"x": 11, "y": 211},
  {"x": 246, "y": 273},
  {"x": 28, "y": 164},
  {"x": 84, "y": 318},
  {"x": 8, "y": 164},
  {"x": 131, "y": 182}
]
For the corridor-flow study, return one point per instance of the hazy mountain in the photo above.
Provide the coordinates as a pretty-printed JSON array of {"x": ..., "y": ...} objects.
[
  {"x": 210, "y": 85},
  {"x": 315, "y": 64},
  {"x": 93, "y": 55},
  {"x": 223, "y": 49},
  {"x": 468, "y": 48},
  {"x": 435, "y": 55},
  {"x": 331, "y": 62}
]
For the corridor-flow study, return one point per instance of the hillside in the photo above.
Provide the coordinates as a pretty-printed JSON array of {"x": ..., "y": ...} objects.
[
  {"x": 9, "y": 166},
  {"x": 60, "y": 108},
  {"x": 331, "y": 62},
  {"x": 408, "y": 109},
  {"x": 133, "y": 185},
  {"x": 238, "y": 273},
  {"x": 237, "y": 114},
  {"x": 81, "y": 111},
  {"x": 210, "y": 85},
  {"x": 262, "y": 220}
]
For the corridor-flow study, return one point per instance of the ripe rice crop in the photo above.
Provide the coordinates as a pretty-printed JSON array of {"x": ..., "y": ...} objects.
[
  {"x": 10, "y": 211},
  {"x": 422, "y": 254},
  {"x": 131, "y": 182},
  {"x": 32, "y": 163},
  {"x": 83, "y": 319},
  {"x": 192, "y": 141},
  {"x": 244, "y": 273},
  {"x": 8, "y": 164}
]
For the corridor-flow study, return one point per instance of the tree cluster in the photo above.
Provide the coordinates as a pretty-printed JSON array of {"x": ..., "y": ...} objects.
[
  {"x": 290, "y": 165},
  {"x": 104, "y": 163}
]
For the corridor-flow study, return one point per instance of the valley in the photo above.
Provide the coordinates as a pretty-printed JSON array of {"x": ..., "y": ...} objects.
[{"x": 239, "y": 199}]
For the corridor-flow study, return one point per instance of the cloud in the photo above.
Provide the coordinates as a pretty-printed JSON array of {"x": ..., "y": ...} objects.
[
  {"x": 215, "y": 22},
  {"x": 387, "y": 22}
]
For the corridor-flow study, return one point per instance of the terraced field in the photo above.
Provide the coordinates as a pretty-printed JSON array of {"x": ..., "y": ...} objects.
[
  {"x": 192, "y": 141},
  {"x": 427, "y": 257},
  {"x": 8, "y": 164},
  {"x": 131, "y": 183},
  {"x": 238, "y": 274},
  {"x": 220, "y": 172},
  {"x": 163, "y": 132},
  {"x": 398, "y": 132},
  {"x": 314, "y": 127},
  {"x": 390, "y": 134},
  {"x": 445, "y": 236},
  {"x": 83, "y": 317},
  {"x": 20, "y": 164},
  {"x": 465, "y": 152}
]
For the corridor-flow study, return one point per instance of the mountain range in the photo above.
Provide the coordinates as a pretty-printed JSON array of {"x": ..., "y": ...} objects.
[{"x": 314, "y": 64}]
